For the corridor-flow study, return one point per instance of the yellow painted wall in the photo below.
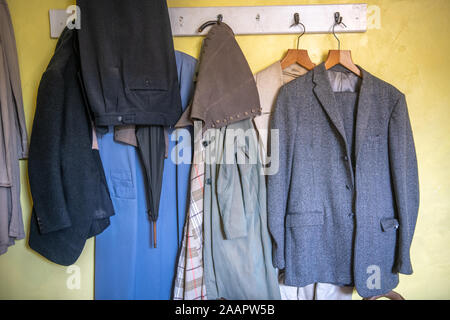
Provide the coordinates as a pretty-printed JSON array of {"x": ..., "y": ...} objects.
[{"x": 410, "y": 50}]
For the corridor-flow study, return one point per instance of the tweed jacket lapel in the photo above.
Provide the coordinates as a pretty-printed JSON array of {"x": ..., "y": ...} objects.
[
  {"x": 365, "y": 105},
  {"x": 325, "y": 94}
]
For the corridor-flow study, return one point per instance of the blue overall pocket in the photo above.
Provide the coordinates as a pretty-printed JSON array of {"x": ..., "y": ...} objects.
[{"x": 122, "y": 185}]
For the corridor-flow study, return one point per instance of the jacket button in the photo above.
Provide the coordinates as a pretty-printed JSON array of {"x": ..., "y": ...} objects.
[
  {"x": 345, "y": 158},
  {"x": 208, "y": 181},
  {"x": 351, "y": 214},
  {"x": 205, "y": 143}
]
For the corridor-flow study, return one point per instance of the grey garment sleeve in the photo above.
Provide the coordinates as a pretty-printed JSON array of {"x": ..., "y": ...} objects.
[
  {"x": 284, "y": 121},
  {"x": 5, "y": 123},
  {"x": 10, "y": 56},
  {"x": 10, "y": 146},
  {"x": 404, "y": 173}
]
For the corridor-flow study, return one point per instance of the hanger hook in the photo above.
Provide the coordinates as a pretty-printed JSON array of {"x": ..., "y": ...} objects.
[
  {"x": 212, "y": 22},
  {"x": 298, "y": 23},
  {"x": 339, "y": 41},
  {"x": 338, "y": 21}
]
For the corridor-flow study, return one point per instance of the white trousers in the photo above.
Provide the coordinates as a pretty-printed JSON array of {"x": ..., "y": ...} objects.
[{"x": 314, "y": 291}]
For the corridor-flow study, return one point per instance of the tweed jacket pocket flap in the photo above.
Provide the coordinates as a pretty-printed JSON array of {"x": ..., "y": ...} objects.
[
  {"x": 312, "y": 218},
  {"x": 389, "y": 224}
]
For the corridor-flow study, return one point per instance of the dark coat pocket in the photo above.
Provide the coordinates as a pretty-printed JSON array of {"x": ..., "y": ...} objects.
[
  {"x": 389, "y": 224},
  {"x": 311, "y": 218}
]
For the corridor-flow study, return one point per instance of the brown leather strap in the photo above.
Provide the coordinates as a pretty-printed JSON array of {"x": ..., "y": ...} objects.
[{"x": 390, "y": 295}]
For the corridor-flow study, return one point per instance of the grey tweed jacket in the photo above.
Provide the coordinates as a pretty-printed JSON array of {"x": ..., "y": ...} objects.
[{"x": 332, "y": 220}]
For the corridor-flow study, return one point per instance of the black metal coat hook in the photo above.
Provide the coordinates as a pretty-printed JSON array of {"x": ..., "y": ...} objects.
[
  {"x": 338, "y": 21},
  {"x": 210, "y": 23},
  {"x": 298, "y": 23}
]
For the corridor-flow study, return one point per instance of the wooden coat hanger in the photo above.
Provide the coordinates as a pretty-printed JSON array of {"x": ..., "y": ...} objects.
[
  {"x": 298, "y": 56},
  {"x": 342, "y": 57}
]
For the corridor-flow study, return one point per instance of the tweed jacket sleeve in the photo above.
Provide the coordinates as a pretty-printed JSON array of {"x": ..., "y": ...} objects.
[
  {"x": 402, "y": 157},
  {"x": 278, "y": 184}
]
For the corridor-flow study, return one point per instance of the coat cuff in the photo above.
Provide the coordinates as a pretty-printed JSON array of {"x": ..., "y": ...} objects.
[
  {"x": 404, "y": 268},
  {"x": 23, "y": 152},
  {"x": 53, "y": 226},
  {"x": 278, "y": 261}
]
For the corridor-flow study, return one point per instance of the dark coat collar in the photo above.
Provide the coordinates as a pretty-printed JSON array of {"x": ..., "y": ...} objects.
[{"x": 327, "y": 98}]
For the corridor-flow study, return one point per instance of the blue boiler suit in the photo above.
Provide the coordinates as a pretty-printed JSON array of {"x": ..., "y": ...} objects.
[{"x": 126, "y": 264}]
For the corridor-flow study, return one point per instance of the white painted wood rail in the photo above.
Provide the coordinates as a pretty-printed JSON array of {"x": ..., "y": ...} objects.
[
  {"x": 253, "y": 20},
  {"x": 270, "y": 19}
]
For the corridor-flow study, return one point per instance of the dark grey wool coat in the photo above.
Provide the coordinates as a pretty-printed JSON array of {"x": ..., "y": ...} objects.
[
  {"x": 332, "y": 220},
  {"x": 68, "y": 186}
]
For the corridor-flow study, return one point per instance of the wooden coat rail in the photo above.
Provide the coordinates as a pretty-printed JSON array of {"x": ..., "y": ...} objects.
[{"x": 185, "y": 21}]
